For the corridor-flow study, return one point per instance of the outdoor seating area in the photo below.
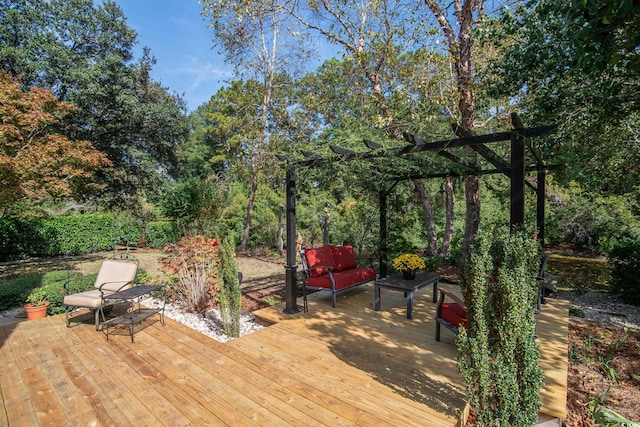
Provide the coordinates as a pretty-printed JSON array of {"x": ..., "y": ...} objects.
[
  {"x": 334, "y": 269},
  {"x": 350, "y": 365},
  {"x": 115, "y": 275}
]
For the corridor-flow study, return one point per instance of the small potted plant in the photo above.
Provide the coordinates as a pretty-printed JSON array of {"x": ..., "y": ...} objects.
[
  {"x": 36, "y": 304},
  {"x": 408, "y": 264}
]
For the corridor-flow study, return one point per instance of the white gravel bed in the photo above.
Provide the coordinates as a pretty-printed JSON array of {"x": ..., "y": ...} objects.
[
  {"x": 209, "y": 323},
  {"x": 603, "y": 307}
]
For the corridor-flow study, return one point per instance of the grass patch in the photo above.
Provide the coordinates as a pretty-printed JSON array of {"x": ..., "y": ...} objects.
[{"x": 14, "y": 292}]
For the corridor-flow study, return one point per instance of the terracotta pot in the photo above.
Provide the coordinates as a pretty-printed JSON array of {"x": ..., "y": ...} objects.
[{"x": 36, "y": 312}]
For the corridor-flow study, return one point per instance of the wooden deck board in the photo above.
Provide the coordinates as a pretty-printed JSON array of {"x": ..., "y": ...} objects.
[{"x": 329, "y": 367}]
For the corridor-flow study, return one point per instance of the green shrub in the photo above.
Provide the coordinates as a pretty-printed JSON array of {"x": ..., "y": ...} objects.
[
  {"x": 498, "y": 354},
  {"x": 159, "y": 233},
  {"x": 624, "y": 262},
  {"x": 15, "y": 292},
  {"x": 77, "y": 234},
  {"x": 230, "y": 292},
  {"x": 62, "y": 235}
]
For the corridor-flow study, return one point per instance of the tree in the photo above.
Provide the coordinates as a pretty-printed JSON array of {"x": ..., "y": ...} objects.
[
  {"x": 464, "y": 17},
  {"x": 576, "y": 64},
  {"x": 391, "y": 76},
  {"x": 36, "y": 161},
  {"x": 83, "y": 53},
  {"x": 257, "y": 39}
]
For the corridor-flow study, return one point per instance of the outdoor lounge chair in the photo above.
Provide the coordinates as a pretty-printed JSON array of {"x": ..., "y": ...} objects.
[
  {"x": 115, "y": 275},
  {"x": 450, "y": 314}
]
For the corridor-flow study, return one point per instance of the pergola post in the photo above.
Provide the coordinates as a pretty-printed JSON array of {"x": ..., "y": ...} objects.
[
  {"x": 517, "y": 178},
  {"x": 383, "y": 233},
  {"x": 291, "y": 288},
  {"x": 540, "y": 205}
]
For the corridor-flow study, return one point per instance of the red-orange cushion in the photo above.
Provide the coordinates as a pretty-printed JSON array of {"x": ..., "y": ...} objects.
[
  {"x": 344, "y": 256},
  {"x": 343, "y": 278},
  {"x": 322, "y": 256},
  {"x": 454, "y": 314}
]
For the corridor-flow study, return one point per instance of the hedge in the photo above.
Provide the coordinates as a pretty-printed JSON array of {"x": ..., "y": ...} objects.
[{"x": 63, "y": 235}]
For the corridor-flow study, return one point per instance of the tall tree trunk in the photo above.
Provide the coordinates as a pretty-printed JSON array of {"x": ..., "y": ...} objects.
[
  {"x": 448, "y": 226},
  {"x": 250, "y": 204},
  {"x": 460, "y": 48},
  {"x": 432, "y": 238}
]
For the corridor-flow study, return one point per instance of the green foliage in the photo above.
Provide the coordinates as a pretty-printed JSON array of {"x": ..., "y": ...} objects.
[
  {"x": 61, "y": 235},
  {"x": 194, "y": 204},
  {"x": 498, "y": 354},
  {"x": 595, "y": 221},
  {"x": 50, "y": 285},
  {"x": 83, "y": 52},
  {"x": 160, "y": 233},
  {"x": 192, "y": 267},
  {"x": 230, "y": 291},
  {"x": 624, "y": 261},
  {"x": 605, "y": 416},
  {"x": 37, "y": 297}
]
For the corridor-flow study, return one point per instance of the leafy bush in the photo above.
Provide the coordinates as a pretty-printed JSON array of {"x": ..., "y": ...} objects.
[
  {"x": 230, "y": 292},
  {"x": 15, "y": 292},
  {"x": 128, "y": 230},
  {"x": 498, "y": 354},
  {"x": 194, "y": 204},
  {"x": 624, "y": 262},
  {"x": 160, "y": 233},
  {"x": 192, "y": 266},
  {"x": 598, "y": 222},
  {"x": 62, "y": 235}
]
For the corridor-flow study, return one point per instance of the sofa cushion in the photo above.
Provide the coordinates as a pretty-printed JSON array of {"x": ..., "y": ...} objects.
[
  {"x": 344, "y": 278},
  {"x": 344, "y": 257},
  {"x": 316, "y": 257},
  {"x": 454, "y": 314}
]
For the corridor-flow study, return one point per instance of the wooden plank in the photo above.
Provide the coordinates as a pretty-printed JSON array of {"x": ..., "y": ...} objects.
[
  {"x": 262, "y": 391},
  {"x": 201, "y": 344},
  {"x": 17, "y": 407},
  {"x": 118, "y": 382},
  {"x": 368, "y": 384},
  {"x": 51, "y": 362},
  {"x": 40, "y": 391},
  {"x": 203, "y": 386}
]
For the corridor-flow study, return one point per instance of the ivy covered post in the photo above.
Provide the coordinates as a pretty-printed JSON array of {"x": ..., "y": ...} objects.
[
  {"x": 230, "y": 292},
  {"x": 499, "y": 356}
]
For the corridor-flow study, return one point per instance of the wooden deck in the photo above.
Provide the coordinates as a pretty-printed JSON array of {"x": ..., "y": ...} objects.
[{"x": 344, "y": 366}]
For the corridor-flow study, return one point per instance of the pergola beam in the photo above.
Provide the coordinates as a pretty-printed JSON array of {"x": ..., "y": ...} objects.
[{"x": 517, "y": 169}]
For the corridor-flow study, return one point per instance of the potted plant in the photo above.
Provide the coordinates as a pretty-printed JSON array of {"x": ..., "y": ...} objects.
[
  {"x": 408, "y": 264},
  {"x": 36, "y": 304}
]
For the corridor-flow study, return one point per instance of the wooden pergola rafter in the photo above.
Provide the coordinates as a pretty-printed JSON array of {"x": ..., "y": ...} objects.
[{"x": 515, "y": 169}]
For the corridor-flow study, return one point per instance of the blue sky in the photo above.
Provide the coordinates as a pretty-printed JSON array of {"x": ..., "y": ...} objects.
[{"x": 181, "y": 42}]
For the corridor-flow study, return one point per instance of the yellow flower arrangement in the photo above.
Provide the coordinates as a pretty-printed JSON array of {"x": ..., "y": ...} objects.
[{"x": 407, "y": 262}]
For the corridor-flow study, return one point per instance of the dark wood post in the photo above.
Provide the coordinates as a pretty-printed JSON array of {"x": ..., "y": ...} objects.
[
  {"x": 383, "y": 233},
  {"x": 291, "y": 288},
  {"x": 540, "y": 204},
  {"x": 517, "y": 178}
]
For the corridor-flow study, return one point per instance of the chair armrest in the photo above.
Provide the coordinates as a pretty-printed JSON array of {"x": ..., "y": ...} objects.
[
  {"x": 325, "y": 267},
  {"x": 454, "y": 297},
  {"x": 110, "y": 283},
  {"x": 65, "y": 286}
]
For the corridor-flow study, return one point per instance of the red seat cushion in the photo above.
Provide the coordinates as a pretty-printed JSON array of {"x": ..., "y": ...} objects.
[
  {"x": 343, "y": 279},
  {"x": 322, "y": 256},
  {"x": 454, "y": 314},
  {"x": 344, "y": 257}
]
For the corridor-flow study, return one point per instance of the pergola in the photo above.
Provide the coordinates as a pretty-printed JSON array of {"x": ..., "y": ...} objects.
[{"x": 516, "y": 169}]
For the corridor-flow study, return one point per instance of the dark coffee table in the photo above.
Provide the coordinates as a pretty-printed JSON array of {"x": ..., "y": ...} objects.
[{"x": 397, "y": 283}]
